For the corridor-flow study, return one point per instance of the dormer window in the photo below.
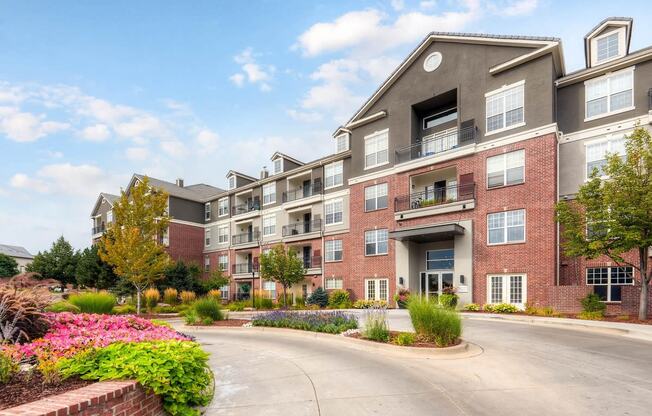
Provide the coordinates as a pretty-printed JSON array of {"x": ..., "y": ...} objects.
[
  {"x": 231, "y": 182},
  {"x": 607, "y": 47},
  {"x": 207, "y": 211},
  {"x": 342, "y": 143},
  {"x": 278, "y": 166}
]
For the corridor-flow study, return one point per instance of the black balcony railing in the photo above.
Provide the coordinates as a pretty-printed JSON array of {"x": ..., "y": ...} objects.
[
  {"x": 437, "y": 196},
  {"x": 241, "y": 268},
  {"x": 314, "y": 188},
  {"x": 246, "y": 207},
  {"x": 437, "y": 143},
  {"x": 99, "y": 229},
  {"x": 311, "y": 262},
  {"x": 245, "y": 238},
  {"x": 301, "y": 228}
]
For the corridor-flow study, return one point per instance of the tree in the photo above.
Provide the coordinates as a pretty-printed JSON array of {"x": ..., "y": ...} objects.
[
  {"x": 59, "y": 263},
  {"x": 282, "y": 266},
  {"x": 319, "y": 297},
  {"x": 93, "y": 272},
  {"x": 215, "y": 282},
  {"x": 612, "y": 217},
  {"x": 130, "y": 245},
  {"x": 8, "y": 266},
  {"x": 180, "y": 276}
]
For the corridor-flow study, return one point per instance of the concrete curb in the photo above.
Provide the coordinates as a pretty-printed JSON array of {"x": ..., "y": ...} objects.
[
  {"x": 634, "y": 331},
  {"x": 462, "y": 350}
]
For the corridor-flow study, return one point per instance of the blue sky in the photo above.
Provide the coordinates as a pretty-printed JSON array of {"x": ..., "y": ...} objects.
[{"x": 91, "y": 92}]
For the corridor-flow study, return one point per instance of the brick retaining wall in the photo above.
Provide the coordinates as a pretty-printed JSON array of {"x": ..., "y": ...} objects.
[{"x": 116, "y": 398}]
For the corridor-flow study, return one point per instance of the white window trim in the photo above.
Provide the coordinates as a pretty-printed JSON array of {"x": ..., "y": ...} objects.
[
  {"x": 609, "y": 284},
  {"x": 235, "y": 182},
  {"x": 227, "y": 234},
  {"x": 218, "y": 207},
  {"x": 337, "y": 162},
  {"x": 207, "y": 263},
  {"x": 269, "y": 185},
  {"x": 377, "y": 288},
  {"x": 333, "y": 201},
  {"x": 498, "y": 91},
  {"x": 267, "y": 217},
  {"x": 326, "y": 251},
  {"x": 609, "y": 113},
  {"x": 227, "y": 262},
  {"x": 373, "y": 136},
  {"x": 274, "y": 166},
  {"x": 606, "y": 138},
  {"x": 621, "y": 46},
  {"x": 376, "y": 241},
  {"x": 505, "y": 227},
  {"x": 375, "y": 186},
  {"x": 504, "y": 155},
  {"x": 207, "y": 211},
  {"x": 346, "y": 141},
  {"x": 506, "y": 288},
  {"x": 336, "y": 286},
  {"x": 207, "y": 237}
]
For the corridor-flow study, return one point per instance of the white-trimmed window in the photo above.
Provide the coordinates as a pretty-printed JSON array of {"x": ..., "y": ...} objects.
[
  {"x": 269, "y": 225},
  {"x": 334, "y": 210},
  {"x": 506, "y": 169},
  {"x": 269, "y": 193},
  {"x": 223, "y": 234},
  {"x": 225, "y": 292},
  {"x": 505, "y": 107},
  {"x": 269, "y": 287},
  {"x": 596, "y": 153},
  {"x": 232, "y": 182},
  {"x": 223, "y": 262},
  {"x": 332, "y": 283},
  {"x": 376, "y": 289},
  {"x": 342, "y": 143},
  {"x": 609, "y": 94},
  {"x": 443, "y": 259},
  {"x": 222, "y": 207},
  {"x": 207, "y": 263},
  {"x": 375, "y": 197},
  {"x": 507, "y": 288},
  {"x": 207, "y": 211},
  {"x": 207, "y": 237},
  {"x": 333, "y": 250},
  {"x": 334, "y": 174},
  {"x": 375, "y": 242},
  {"x": 607, "y": 47},
  {"x": 109, "y": 216},
  {"x": 376, "y": 149},
  {"x": 506, "y": 227},
  {"x": 278, "y": 166},
  {"x": 607, "y": 281}
]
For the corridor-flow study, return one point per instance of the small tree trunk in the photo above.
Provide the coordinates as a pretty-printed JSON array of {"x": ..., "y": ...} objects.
[
  {"x": 285, "y": 297},
  {"x": 645, "y": 283},
  {"x": 138, "y": 292}
]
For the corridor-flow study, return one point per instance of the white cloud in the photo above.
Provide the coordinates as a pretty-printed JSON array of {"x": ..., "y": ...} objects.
[
  {"x": 66, "y": 179},
  {"x": 252, "y": 71},
  {"x": 22, "y": 181},
  {"x": 207, "y": 141},
  {"x": 304, "y": 116},
  {"x": 516, "y": 8},
  {"x": 96, "y": 133},
  {"x": 23, "y": 126},
  {"x": 428, "y": 4},
  {"x": 397, "y": 5},
  {"x": 137, "y": 153},
  {"x": 174, "y": 148}
]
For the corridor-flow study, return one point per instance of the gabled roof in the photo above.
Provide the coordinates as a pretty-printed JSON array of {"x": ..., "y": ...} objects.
[
  {"x": 547, "y": 44},
  {"x": 277, "y": 155},
  {"x": 15, "y": 251},
  {"x": 242, "y": 175},
  {"x": 627, "y": 22},
  {"x": 198, "y": 193},
  {"x": 110, "y": 198}
]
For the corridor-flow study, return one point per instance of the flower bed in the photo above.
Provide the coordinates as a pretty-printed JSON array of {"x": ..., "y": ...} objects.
[{"x": 329, "y": 322}]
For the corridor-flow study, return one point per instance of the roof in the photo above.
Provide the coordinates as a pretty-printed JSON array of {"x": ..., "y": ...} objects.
[
  {"x": 110, "y": 198},
  {"x": 15, "y": 251},
  {"x": 198, "y": 192},
  {"x": 628, "y": 22},
  {"x": 242, "y": 175},
  {"x": 538, "y": 42},
  {"x": 276, "y": 155}
]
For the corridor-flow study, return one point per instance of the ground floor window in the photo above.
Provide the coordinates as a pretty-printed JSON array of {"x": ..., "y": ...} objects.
[
  {"x": 376, "y": 289},
  {"x": 225, "y": 292},
  {"x": 333, "y": 283},
  {"x": 507, "y": 288},
  {"x": 207, "y": 263},
  {"x": 440, "y": 259},
  {"x": 270, "y": 289},
  {"x": 607, "y": 282}
]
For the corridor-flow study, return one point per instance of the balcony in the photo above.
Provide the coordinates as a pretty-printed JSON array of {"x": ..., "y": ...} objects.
[
  {"x": 99, "y": 229},
  {"x": 436, "y": 143},
  {"x": 437, "y": 198},
  {"x": 299, "y": 228},
  {"x": 304, "y": 191},
  {"x": 243, "y": 268},
  {"x": 246, "y": 238},
  {"x": 246, "y": 207},
  {"x": 313, "y": 262}
]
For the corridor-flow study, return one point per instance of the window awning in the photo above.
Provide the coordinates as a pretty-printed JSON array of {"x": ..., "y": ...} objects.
[{"x": 428, "y": 234}]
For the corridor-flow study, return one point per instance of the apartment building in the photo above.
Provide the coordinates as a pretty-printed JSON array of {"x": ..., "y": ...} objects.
[{"x": 447, "y": 176}]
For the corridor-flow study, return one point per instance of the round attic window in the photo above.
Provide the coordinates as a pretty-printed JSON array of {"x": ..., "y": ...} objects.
[{"x": 432, "y": 62}]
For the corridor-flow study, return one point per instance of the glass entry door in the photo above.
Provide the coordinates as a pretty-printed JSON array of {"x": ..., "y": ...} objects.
[{"x": 434, "y": 283}]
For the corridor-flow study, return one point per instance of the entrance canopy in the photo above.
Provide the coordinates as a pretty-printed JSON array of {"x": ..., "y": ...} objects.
[{"x": 428, "y": 234}]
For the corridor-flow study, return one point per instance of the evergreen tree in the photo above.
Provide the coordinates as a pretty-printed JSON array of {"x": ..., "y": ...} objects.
[
  {"x": 59, "y": 263},
  {"x": 93, "y": 272},
  {"x": 8, "y": 266},
  {"x": 319, "y": 297}
]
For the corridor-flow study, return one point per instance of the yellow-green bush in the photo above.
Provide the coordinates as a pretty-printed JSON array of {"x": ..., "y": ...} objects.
[
  {"x": 152, "y": 296},
  {"x": 187, "y": 296},
  {"x": 171, "y": 296}
]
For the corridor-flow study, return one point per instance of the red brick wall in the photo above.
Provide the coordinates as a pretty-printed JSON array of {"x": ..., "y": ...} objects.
[
  {"x": 118, "y": 398},
  {"x": 536, "y": 257},
  {"x": 186, "y": 242}
]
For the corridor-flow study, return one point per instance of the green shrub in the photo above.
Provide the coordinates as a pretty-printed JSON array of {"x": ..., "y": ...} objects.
[
  {"x": 339, "y": 299},
  {"x": 177, "y": 371},
  {"x": 375, "y": 325},
  {"x": 299, "y": 302},
  {"x": 187, "y": 296},
  {"x": 593, "y": 303},
  {"x": 165, "y": 309},
  {"x": 8, "y": 367},
  {"x": 160, "y": 322},
  {"x": 125, "y": 309},
  {"x": 434, "y": 323},
  {"x": 405, "y": 339},
  {"x": 208, "y": 308},
  {"x": 591, "y": 315},
  {"x": 471, "y": 307},
  {"x": 62, "y": 306},
  {"x": 180, "y": 309},
  {"x": 319, "y": 297},
  {"x": 238, "y": 306},
  {"x": 329, "y": 322},
  {"x": 448, "y": 300},
  {"x": 191, "y": 317},
  {"x": 91, "y": 302},
  {"x": 502, "y": 308},
  {"x": 263, "y": 303},
  {"x": 366, "y": 304},
  {"x": 488, "y": 307}
]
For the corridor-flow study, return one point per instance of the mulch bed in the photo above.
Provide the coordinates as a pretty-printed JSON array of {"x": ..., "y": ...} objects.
[
  {"x": 24, "y": 388},
  {"x": 392, "y": 336},
  {"x": 627, "y": 319},
  {"x": 225, "y": 322}
]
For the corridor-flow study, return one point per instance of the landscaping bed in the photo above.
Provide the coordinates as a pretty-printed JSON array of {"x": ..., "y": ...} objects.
[
  {"x": 328, "y": 322},
  {"x": 395, "y": 336},
  {"x": 24, "y": 388},
  {"x": 225, "y": 322}
]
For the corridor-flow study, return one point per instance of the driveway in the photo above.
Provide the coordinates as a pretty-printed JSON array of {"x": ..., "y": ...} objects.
[{"x": 523, "y": 370}]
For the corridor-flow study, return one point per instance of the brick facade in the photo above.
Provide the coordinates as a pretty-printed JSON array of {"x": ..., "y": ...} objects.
[
  {"x": 116, "y": 398},
  {"x": 186, "y": 242}
]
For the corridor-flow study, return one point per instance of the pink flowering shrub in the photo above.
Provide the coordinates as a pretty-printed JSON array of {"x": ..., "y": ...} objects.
[{"x": 71, "y": 333}]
